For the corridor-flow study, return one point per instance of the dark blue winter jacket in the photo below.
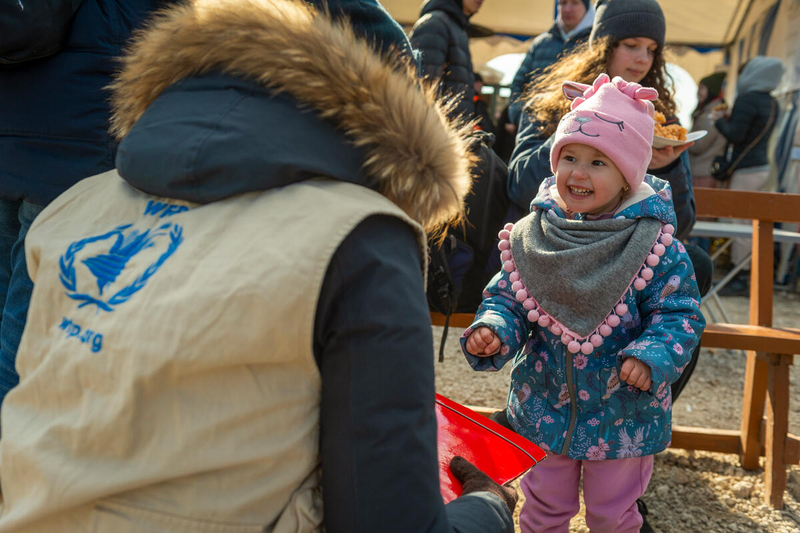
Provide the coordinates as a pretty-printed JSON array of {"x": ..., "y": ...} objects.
[
  {"x": 54, "y": 111},
  {"x": 544, "y": 51}
]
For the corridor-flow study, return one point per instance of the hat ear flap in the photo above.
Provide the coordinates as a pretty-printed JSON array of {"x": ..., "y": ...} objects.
[
  {"x": 601, "y": 80},
  {"x": 646, "y": 93},
  {"x": 578, "y": 101},
  {"x": 573, "y": 90}
]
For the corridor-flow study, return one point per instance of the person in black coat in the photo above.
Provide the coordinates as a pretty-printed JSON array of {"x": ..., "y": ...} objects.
[
  {"x": 212, "y": 136},
  {"x": 440, "y": 35},
  {"x": 572, "y": 26},
  {"x": 754, "y": 115},
  {"x": 56, "y": 57}
]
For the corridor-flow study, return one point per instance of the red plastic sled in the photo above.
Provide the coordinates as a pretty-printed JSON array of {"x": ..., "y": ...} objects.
[{"x": 501, "y": 453}]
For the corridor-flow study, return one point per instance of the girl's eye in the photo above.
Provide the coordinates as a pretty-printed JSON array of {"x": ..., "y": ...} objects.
[
  {"x": 569, "y": 158},
  {"x": 598, "y": 163}
]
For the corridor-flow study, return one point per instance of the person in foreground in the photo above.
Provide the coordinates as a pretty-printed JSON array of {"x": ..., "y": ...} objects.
[
  {"x": 598, "y": 306},
  {"x": 229, "y": 332}
]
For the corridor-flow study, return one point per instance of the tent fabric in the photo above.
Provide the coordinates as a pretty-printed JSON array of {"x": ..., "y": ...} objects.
[{"x": 697, "y": 23}]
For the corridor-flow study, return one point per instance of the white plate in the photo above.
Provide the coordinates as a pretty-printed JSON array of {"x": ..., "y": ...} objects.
[{"x": 663, "y": 142}]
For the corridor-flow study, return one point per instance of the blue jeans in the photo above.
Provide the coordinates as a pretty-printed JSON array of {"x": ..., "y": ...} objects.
[{"x": 16, "y": 216}]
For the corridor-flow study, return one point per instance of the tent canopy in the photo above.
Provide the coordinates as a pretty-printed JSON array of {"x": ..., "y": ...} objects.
[{"x": 701, "y": 23}]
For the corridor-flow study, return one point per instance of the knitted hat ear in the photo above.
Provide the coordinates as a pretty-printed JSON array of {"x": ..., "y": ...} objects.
[
  {"x": 646, "y": 93},
  {"x": 601, "y": 80},
  {"x": 573, "y": 89}
]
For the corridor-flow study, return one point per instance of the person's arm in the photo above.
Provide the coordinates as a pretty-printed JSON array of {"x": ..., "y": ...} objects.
[
  {"x": 530, "y": 164},
  {"x": 33, "y": 29},
  {"x": 700, "y": 146},
  {"x": 671, "y": 319},
  {"x": 735, "y": 128},
  {"x": 374, "y": 347},
  {"x": 679, "y": 175},
  {"x": 501, "y": 312},
  {"x": 430, "y": 38}
]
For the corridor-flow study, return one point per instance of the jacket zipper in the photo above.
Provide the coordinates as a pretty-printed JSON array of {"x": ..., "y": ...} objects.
[{"x": 573, "y": 405}]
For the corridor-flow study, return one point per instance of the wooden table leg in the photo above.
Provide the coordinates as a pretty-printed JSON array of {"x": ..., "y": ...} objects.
[
  {"x": 777, "y": 428},
  {"x": 755, "y": 391}
]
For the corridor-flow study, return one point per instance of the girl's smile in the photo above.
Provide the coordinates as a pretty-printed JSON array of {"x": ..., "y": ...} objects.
[{"x": 588, "y": 181}]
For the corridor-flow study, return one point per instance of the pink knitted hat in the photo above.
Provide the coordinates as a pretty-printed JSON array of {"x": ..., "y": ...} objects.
[{"x": 616, "y": 117}]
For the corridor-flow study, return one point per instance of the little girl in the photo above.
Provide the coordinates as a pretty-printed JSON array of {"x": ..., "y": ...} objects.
[{"x": 598, "y": 305}]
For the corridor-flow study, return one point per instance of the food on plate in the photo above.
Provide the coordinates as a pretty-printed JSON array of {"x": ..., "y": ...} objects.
[
  {"x": 673, "y": 131},
  {"x": 720, "y": 107}
]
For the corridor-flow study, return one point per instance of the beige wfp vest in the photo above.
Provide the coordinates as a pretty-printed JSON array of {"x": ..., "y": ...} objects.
[{"x": 168, "y": 382}]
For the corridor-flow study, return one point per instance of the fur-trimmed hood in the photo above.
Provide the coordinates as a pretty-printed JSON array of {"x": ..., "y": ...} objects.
[{"x": 221, "y": 97}]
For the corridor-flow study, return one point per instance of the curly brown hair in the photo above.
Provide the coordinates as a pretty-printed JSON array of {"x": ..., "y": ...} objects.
[{"x": 545, "y": 102}]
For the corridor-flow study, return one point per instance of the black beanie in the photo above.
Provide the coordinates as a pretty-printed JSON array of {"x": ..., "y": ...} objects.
[{"x": 623, "y": 19}]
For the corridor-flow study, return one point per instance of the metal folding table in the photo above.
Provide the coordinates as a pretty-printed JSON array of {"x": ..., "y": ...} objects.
[{"x": 729, "y": 231}]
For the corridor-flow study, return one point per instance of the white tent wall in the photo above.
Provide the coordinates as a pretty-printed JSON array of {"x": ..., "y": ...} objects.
[{"x": 784, "y": 42}]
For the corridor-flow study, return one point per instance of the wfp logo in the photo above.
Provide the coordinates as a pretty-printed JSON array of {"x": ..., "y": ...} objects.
[{"x": 107, "y": 256}]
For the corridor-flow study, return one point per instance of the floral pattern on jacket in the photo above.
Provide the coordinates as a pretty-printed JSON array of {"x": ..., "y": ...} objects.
[{"x": 574, "y": 404}]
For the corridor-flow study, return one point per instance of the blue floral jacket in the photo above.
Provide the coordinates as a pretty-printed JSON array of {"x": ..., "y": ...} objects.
[{"x": 574, "y": 404}]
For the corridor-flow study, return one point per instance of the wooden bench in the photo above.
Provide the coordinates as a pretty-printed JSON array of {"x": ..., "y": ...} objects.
[{"x": 770, "y": 350}]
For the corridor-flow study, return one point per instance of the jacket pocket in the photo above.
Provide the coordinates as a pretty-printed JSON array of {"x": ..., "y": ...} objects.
[{"x": 111, "y": 516}]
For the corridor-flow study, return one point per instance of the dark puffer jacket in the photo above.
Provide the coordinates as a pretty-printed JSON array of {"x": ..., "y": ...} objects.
[
  {"x": 755, "y": 112},
  {"x": 544, "y": 51},
  {"x": 54, "y": 118},
  {"x": 440, "y": 35}
]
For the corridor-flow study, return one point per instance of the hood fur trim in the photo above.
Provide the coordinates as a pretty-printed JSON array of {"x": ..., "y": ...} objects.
[{"x": 421, "y": 162}]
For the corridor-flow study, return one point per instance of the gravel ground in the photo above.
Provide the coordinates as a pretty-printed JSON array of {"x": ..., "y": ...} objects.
[{"x": 690, "y": 491}]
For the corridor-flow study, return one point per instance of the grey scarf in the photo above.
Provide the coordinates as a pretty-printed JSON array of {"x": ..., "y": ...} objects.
[{"x": 577, "y": 270}]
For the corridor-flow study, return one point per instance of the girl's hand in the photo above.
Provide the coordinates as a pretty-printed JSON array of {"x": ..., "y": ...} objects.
[
  {"x": 635, "y": 373},
  {"x": 483, "y": 342},
  {"x": 667, "y": 155}
]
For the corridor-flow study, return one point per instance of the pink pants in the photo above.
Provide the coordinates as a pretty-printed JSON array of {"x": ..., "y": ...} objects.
[{"x": 610, "y": 490}]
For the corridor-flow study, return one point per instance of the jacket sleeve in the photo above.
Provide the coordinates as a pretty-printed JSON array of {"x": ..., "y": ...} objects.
[
  {"x": 34, "y": 28},
  {"x": 530, "y": 164},
  {"x": 679, "y": 176},
  {"x": 502, "y": 313},
  {"x": 430, "y": 38},
  {"x": 374, "y": 347},
  {"x": 671, "y": 319},
  {"x": 700, "y": 146},
  {"x": 735, "y": 129},
  {"x": 521, "y": 78}
]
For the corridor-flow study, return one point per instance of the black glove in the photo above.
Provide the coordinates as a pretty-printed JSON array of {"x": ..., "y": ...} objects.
[{"x": 473, "y": 480}]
